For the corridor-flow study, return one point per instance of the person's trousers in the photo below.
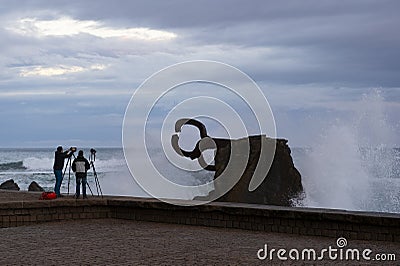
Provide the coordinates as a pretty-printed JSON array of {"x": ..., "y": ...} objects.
[
  {"x": 80, "y": 179},
  {"x": 59, "y": 178}
]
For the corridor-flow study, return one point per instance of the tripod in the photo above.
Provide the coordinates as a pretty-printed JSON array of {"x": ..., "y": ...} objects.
[
  {"x": 69, "y": 163},
  {"x": 92, "y": 159}
]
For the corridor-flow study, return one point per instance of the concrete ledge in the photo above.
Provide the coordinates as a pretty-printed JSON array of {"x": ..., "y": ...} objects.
[{"x": 302, "y": 221}]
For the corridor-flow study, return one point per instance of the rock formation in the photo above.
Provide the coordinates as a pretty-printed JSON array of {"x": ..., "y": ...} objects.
[
  {"x": 10, "y": 185},
  {"x": 281, "y": 182},
  {"x": 35, "y": 187}
]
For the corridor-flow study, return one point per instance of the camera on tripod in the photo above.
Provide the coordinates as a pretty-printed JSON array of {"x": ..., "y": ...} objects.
[
  {"x": 92, "y": 155},
  {"x": 72, "y": 149}
]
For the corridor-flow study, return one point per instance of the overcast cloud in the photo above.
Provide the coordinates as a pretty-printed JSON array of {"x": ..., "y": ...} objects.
[{"x": 69, "y": 68}]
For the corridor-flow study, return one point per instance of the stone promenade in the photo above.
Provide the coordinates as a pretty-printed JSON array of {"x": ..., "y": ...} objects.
[{"x": 126, "y": 242}]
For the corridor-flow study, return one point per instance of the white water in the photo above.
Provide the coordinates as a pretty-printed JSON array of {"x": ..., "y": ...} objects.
[{"x": 353, "y": 165}]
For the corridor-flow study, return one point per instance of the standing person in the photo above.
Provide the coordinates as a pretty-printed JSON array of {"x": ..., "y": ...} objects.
[
  {"x": 80, "y": 167},
  {"x": 59, "y": 158}
]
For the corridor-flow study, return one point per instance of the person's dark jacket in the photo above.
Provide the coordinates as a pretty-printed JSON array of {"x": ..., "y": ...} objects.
[
  {"x": 59, "y": 158},
  {"x": 80, "y": 166}
]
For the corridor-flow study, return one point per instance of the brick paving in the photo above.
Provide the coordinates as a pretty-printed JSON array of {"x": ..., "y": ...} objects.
[
  {"x": 122, "y": 242},
  {"x": 126, "y": 242}
]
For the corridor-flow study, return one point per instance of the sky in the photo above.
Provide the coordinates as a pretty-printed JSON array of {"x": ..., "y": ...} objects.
[{"x": 68, "y": 69}]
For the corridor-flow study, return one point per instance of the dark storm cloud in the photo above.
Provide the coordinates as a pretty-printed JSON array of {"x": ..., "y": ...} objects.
[
  {"x": 348, "y": 43},
  {"x": 307, "y": 56}
]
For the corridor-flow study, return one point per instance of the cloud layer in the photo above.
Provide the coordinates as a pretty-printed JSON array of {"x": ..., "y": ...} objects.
[{"x": 72, "y": 66}]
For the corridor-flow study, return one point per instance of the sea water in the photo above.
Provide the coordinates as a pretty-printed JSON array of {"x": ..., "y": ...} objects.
[
  {"x": 27, "y": 165},
  {"x": 365, "y": 179},
  {"x": 352, "y": 165}
]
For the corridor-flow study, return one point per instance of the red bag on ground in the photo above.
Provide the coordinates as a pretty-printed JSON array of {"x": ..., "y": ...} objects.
[{"x": 48, "y": 196}]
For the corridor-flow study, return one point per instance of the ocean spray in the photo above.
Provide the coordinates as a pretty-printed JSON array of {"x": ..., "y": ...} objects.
[{"x": 353, "y": 164}]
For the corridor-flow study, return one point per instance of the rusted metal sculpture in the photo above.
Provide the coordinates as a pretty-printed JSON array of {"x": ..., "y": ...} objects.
[{"x": 280, "y": 182}]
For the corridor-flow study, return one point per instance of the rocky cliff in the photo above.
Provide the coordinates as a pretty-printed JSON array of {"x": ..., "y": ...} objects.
[{"x": 281, "y": 184}]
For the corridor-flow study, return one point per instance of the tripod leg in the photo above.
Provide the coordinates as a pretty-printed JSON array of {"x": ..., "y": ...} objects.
[
  {"x": 65, "y": 169},
  {"x": 96, "y": 180},
  {"x": 87, "y": 183},
  {"x": 62, "y": 178},
  {"x": 101, "y": 192},
  {"x": 95, "y": 176},
  {"x": 98, "y": 186},
  {"x": 69, "y": 172}
]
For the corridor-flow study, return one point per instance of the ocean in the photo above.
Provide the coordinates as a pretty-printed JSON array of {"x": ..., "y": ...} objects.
[
  {"x": 367, "y": 179},
  {"x": 27, "y": 165}
]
